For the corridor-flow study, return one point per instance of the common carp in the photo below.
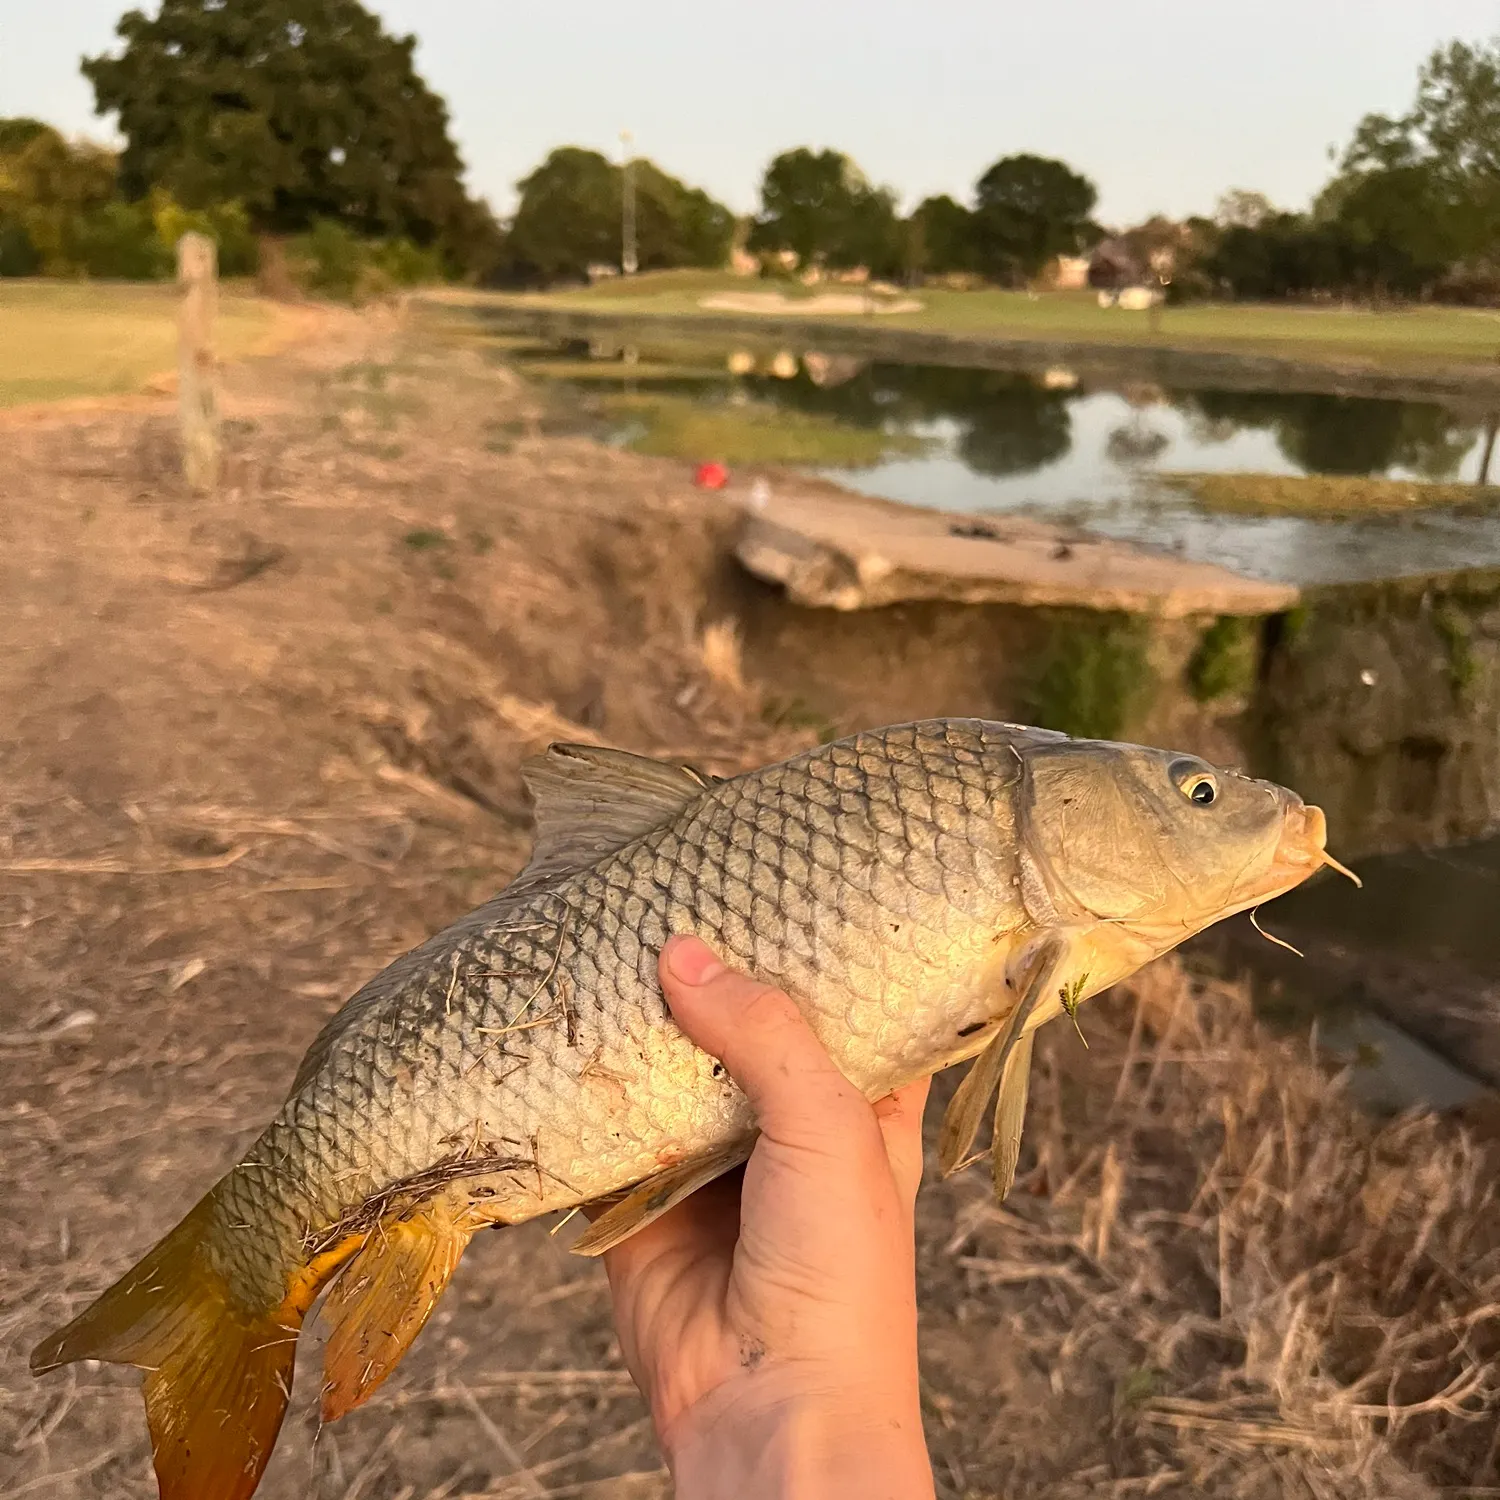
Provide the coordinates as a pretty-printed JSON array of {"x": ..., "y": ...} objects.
[{"x": 926, "y": 893}]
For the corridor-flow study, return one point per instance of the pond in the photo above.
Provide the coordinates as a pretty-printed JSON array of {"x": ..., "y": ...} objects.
[
  {"x": 1122, "y": 462},
  {"x": 1378, "y": 699}
]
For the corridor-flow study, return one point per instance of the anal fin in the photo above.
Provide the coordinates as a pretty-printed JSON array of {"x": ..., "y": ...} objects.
[
  {"x": 384, "y": 1296},
  {"x": 658, "y": 1194}
]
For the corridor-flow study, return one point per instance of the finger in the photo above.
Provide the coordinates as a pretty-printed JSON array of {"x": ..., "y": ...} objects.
[
  {"x": 800, "y": 1098},
  {"x": 899, "y": 1116}
]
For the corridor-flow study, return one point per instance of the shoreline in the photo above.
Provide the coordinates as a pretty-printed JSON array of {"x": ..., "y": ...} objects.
[{"x": 1167, "y": 364}]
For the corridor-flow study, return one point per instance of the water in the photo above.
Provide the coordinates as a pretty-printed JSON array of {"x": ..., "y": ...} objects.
[
  {"x": 1384, "y": 708},
  {"x": 1094, "y": 459}
]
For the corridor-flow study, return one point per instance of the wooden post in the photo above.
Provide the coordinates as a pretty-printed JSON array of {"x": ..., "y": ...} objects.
[{"x": 197, "y": 400}]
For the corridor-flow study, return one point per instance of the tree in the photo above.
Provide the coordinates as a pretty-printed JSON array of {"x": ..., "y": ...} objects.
[
  {"x": 1029, "y": 209},
  {"x": 677, "y": 225},
  {"x": 1240, "y": 208},
  {"x": 299, "y": 109},
  {"x": 818, "y": 205},
  {"x": 569, "y": 215},
  {"x": 53, "y": 195},
  {"x": 940, "y": 237},
  {"x": 1428, "y": 182},
  {"x": 569, "y": 218}
]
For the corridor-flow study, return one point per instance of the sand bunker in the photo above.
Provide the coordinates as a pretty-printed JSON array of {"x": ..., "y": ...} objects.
[{"x": 837, "y": 303}]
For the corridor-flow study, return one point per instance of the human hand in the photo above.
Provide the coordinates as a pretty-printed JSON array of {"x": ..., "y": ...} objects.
[{"x": 772, "y": 1323}]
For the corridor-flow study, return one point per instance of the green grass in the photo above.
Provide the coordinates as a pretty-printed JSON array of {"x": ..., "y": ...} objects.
[
  {"x": 749, "y": 433},
  {"x": 1411, "y": 336},
  {"x": 69, "y": 339},
  {"x": 1331, "y": 495}
]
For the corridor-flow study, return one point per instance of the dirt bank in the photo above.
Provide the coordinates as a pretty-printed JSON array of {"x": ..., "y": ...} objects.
[{"x": 252, "y": 748}]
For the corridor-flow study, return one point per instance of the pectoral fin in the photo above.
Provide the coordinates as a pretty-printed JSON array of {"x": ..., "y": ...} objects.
[
  {"x": 656, "y": 1195},
  {"x": 961, "y": 1122},
  {"x": 969, "y": 1103},
  {"x": 1010, "y": 1115}
]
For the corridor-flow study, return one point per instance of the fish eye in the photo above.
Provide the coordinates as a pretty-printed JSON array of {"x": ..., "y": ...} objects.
[{"x": 1196, "y": 782}]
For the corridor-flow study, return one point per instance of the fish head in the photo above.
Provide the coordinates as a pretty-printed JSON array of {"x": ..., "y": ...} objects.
[{"x": 1162, "y": 843}]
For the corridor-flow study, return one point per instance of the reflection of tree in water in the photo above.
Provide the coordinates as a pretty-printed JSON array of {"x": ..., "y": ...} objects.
[
  {"x": 1136, "y": 442},
  {"x": 1015, "y": 427},
  {"x": 1341, "y": 434},
  {"x": 1007, "y": 423}
]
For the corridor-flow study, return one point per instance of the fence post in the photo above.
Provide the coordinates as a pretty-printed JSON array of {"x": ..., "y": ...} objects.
[{"x": 197, "y": 401}]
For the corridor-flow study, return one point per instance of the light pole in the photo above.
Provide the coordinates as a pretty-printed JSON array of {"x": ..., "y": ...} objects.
[{"x": 627, "y": 207}]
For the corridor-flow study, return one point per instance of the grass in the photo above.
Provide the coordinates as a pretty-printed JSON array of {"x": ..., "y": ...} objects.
[
  {"x": 1331, "y": 495},
  {"x": 1409, "y": 336},
  {"x": 67, "y": 339},
  {"x": 749, "y": 433}
]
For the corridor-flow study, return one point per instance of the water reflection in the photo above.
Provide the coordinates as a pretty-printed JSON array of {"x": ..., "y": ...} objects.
[
  {"x": 1322, "y": 434},
  {"x": 1056, "y": 445}
]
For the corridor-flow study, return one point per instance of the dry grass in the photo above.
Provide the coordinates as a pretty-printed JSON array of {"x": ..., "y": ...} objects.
[
  {"x": 230, "y": 797},
  {"x": 1330, "y": 495},
  {"x": 66, "y": 339}
]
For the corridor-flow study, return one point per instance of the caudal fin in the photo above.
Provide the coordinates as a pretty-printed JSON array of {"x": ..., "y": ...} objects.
[{"x": 218, "y": 1375}]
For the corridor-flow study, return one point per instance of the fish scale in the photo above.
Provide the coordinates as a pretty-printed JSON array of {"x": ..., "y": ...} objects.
[
  {"x": 924, "y": 892},
  {"x": 788, "y": 872}
]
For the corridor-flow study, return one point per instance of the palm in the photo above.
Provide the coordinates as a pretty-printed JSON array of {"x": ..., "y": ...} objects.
[{"x": 777, "y": 1257}]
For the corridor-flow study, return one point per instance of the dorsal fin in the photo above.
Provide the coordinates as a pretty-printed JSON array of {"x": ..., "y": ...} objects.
[{"x": 590, "y": 801}]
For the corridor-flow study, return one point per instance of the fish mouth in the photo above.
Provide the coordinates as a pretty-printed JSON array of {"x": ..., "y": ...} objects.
[{"x": 1302, "y": 849}]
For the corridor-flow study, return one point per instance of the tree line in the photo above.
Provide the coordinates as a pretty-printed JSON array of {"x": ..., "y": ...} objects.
[{"x": 301, "y": 136}]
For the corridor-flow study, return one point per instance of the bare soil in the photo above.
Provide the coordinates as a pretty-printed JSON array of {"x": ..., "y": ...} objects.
[{"x": 253, "y": 747}]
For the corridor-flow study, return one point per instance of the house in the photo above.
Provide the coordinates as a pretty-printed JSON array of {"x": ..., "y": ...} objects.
[
  {"x": 1114, "y": 266},
  {"x": 1068, "y": 273}
]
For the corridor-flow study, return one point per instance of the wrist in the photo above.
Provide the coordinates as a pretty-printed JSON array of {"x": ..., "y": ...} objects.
[{"x": 747, "y": 1438}]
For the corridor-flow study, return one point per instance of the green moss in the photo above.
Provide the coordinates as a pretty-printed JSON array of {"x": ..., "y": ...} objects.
[
  {"x": 424, "y": 541},
  {"x": 1226, "y": 659},
  {"x": 1093, "y": 677},
  {"x": 1457, "y": 634},
  {"x": 748, "y": 433},
  {"x": 1294, "y": 624}
]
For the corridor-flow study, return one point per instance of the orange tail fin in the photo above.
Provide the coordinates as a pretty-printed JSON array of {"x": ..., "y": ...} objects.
[{"x": 218, "y": 1374}]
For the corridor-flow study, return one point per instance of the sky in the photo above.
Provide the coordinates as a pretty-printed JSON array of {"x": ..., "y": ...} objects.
[{"x": 1163, "y": 103}]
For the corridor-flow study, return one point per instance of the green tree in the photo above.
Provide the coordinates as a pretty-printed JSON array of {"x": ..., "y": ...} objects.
[
  {"x": 818, "y": 205},
  {"x": 299, "y": 109},
  {"x": 940, "y": 237},
  {"x": 1427, "y": 183},
  {"x": 569, "y": 215},
  {"x": 569, "y": 218},
  {"x": 1027, "y": 210},
  {"x": 677, "y": 225},
  {"x": 50, "y": 191}
]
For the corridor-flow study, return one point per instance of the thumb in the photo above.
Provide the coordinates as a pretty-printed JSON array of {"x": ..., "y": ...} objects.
[{"x": 799, "y": 1096}]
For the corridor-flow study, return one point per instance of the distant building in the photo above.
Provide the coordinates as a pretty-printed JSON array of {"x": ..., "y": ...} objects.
[
  {"x": 1067, "y": 273},
  {"x": 1114, "y": 266}
]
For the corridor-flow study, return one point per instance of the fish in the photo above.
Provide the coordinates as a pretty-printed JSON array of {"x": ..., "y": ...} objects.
[{"x": 927, "y": 893}]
